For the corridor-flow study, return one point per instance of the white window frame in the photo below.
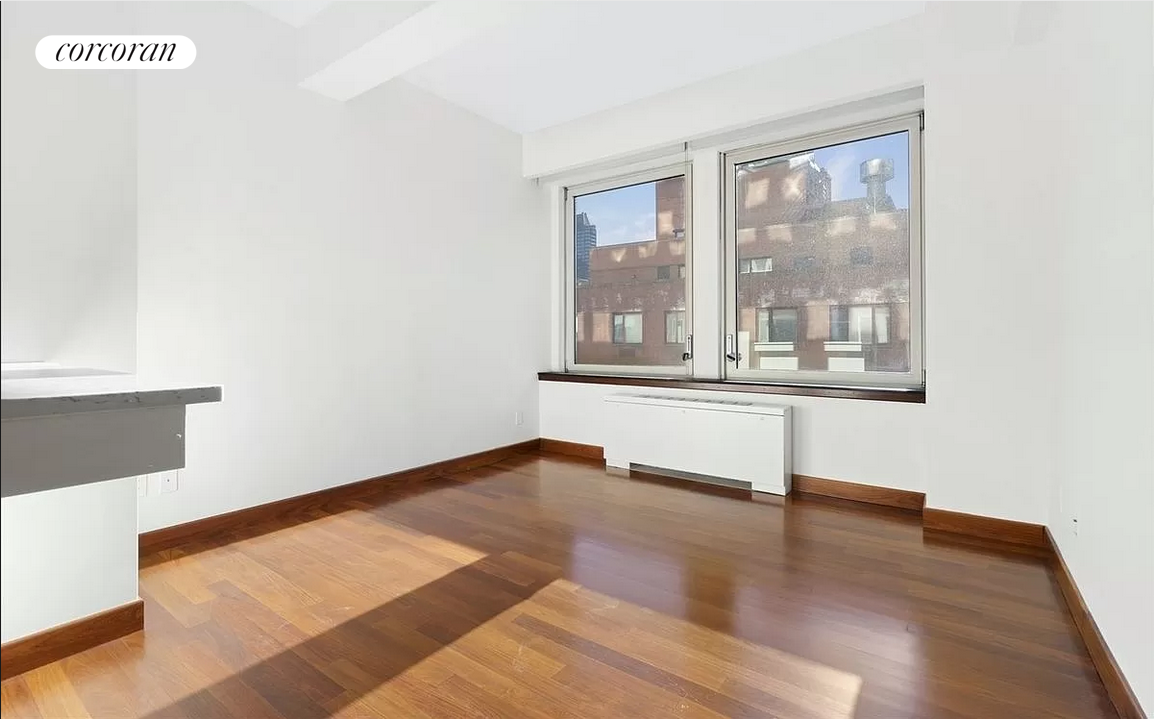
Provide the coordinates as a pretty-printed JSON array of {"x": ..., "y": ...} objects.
[
  {"x": 915, "y": 378},
  {"x": 568, "y": 326}
]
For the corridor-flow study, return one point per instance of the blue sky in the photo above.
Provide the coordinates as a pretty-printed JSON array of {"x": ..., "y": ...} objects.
[
  {"x": 623, "y": 215},
  {"x": 627, "y": 214}
]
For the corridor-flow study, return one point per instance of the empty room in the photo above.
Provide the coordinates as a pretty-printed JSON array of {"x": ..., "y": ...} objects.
[{"x": 578, "y": 360}]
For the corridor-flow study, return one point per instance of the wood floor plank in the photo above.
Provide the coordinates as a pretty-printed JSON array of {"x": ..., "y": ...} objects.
[
  {"x": 17, "y": 701},
  {"x": 54, "y": 694},
  {"x": 546, "y": 587}
]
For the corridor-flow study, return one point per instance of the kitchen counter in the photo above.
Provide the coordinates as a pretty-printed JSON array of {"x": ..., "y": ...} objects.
[
  {"x": 68, "y": 426},
  {"x": 38, "y": 393}
]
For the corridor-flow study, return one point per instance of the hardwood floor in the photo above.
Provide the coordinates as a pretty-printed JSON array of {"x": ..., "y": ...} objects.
[{"x": 544, "y": 587}]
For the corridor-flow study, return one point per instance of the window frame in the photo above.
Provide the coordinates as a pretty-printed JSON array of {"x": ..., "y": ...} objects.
[
  {"x": 571, "y": 192},
  {"x": 915, "y": 378}
]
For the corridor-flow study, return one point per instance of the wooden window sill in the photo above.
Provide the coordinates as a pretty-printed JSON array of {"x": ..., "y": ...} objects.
[{"x": 916, "y": 396}]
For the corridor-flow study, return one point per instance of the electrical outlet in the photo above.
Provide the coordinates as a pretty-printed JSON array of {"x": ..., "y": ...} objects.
[
  {"x": 169, "y": 481},
  {"x": 518, "y": 418},
  {"x": 1075, "y": 519},
  {"x": 142, "y": 486}
]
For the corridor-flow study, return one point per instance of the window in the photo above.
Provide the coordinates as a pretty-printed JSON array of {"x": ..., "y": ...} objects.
[
  {"x": 755, "y": 264},
  {"x": 675, "y": 327},
  {"x": 861, "y": 256},
  {"x": 627, "y": 328},
  {"x": 628, "y": 254},
  {"x": 832, "y": 205},
  {"x": 777, "y": 325},
  {"x": 863, "y": 325},
  {"x": 804, "y": 264}
]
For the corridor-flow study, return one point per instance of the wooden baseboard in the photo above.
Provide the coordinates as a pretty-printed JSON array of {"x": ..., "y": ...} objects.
[
  {"x": 572, "y": 449},
  {"x": 869, "y": 494},
  {"x": 1005, "y": 531},
  {"x": 36, "y": 650},
  {"x": 209, "y": 527},
  {"x": 1115, "y": 682}
]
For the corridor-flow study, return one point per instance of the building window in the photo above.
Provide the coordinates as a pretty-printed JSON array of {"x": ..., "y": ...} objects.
[
  {"x": 627, "y": 328},
  {"x": 755, "y": 264},
  {"x": 628, "y": 248},
  {"x": 860, "y": 324},
  {"x": 675, "y": 327},
  {"x": 861, "y": 256},
  {"x": 797, "y": 196},
  {"x": 777, "y": 324}
]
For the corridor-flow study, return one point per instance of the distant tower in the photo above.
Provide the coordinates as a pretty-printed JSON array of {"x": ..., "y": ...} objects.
[
  {"x": 874, "y": 175},
  {"x": 585, "y": 236}
]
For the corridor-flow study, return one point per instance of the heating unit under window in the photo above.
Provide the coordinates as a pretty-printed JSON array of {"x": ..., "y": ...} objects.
[{"x": 741, "y": 441}]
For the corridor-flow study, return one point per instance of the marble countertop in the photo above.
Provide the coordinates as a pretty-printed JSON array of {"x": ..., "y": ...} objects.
[{"x": 27, "y": 391}]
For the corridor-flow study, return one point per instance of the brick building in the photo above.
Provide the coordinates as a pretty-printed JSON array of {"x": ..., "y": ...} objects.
[{"x": 822, "y": 284}]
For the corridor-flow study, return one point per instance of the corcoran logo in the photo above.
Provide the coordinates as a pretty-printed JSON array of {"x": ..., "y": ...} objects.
[{"x": 115, "y": 52}]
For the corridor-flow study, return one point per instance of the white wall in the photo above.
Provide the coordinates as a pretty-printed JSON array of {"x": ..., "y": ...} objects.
[
  {"x": 83, "y": 560},
  {"x": 990, "y": 261},
  {"x": 363, "y": 279},
  {"x": 68, "y": 266},
  {"x": 68, "y": 215},
  {"x": 1105, "y": 455},
  {"x": 1039, "y": 281}
]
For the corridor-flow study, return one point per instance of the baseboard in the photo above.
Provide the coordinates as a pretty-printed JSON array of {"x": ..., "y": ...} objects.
[
  {"x": 209, "y": 527},
  {"x": 1115, "y": 682},
  {"x": 865, "y": 493},
  {"x": 36, "y": 650},
  {"x": 572, "y": 449},
  {"x": 1004, "y": 531}
]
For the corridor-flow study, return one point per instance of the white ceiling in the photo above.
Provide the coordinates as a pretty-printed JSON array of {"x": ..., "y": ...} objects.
[
  {"x": 576, "y": 58},
  {"x": 531, "y": 65},
  {"x": 297, "y": 13}
]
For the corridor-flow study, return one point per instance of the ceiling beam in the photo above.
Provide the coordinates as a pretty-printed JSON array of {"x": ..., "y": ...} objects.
[{"x": 417, "y": 39}]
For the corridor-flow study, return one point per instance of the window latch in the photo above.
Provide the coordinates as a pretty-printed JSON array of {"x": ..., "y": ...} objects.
[
  {"x": 730, "y": 353},
  {"x": 688, "y": 353}
]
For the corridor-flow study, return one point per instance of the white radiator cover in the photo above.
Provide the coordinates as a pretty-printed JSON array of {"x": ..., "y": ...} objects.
[{"x": 741, "y": 440}]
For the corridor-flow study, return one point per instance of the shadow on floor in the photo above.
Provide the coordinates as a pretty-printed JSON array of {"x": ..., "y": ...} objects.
[{"x": 366, "y": 651}]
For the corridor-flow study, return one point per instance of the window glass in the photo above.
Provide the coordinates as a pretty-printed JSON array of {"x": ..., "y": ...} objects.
[
  {"x": 629, "y": 258},
  {"x": 836, "y": 220}
]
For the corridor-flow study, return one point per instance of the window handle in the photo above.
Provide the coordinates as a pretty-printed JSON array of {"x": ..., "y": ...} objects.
[
  {"x": 730, "y": 353},
  {"x": 688, "y": 353}
]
